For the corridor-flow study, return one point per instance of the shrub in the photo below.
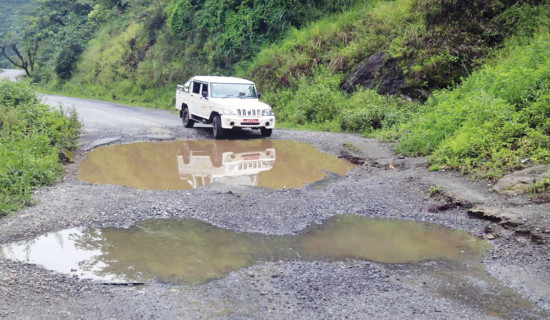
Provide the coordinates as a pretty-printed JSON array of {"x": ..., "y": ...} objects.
[
  {"x": 32, "y": 136},
  {"x": 368, "y": 111},
  {"x": 317, "y": 100}
]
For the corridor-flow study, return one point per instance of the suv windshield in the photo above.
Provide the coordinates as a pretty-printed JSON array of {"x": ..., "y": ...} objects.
[{"x": 233, "y": 90}]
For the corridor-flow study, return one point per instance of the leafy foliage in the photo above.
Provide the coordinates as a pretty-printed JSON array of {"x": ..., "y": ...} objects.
[
  {"x": 369, "y": 111},
  {"x": 53, "y": 36},
  {"x": 142, "y": 48},
  {"x": 32, "y": 136},
  {"x": 232, "y": 31}
]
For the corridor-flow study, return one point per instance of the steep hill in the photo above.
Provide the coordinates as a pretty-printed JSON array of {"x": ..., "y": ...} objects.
[{"x": 404, "y": 47}]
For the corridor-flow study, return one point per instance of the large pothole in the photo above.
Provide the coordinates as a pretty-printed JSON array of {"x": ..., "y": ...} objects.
[
  {"x": 187, "y": 250},
  {"x": 181, "y": 165}
]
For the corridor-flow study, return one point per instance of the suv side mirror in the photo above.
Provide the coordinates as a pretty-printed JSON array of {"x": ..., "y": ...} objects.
[
  {"x": 259, "y": 95},
  {"x": 205, "y": 94}
]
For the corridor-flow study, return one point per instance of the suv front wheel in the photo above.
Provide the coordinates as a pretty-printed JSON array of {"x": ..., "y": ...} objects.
[
  {"x": 266, "y": 132},
  {"x": 217, "y": 129}
]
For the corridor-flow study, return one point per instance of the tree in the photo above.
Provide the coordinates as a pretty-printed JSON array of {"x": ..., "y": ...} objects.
[
  {"x": 21, "y": 58},
  {"x": 52, "y": 39}
]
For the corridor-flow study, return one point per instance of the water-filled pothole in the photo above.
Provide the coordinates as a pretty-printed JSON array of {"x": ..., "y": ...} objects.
[
  {"x": 182, "y": 165},
  {"x": 187, "y": 250}
]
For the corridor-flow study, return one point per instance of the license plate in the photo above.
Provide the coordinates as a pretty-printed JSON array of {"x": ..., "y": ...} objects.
[
  {"x": 251, "y": 121},
  {"x": 252, "y": 157}
]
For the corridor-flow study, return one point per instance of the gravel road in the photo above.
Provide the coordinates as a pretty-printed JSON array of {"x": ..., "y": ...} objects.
[
  {"x": 511, "y": 281},
  {"x": 11, "y": 74}
]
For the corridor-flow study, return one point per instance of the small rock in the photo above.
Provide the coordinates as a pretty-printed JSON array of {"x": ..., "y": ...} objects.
[
  {"x": 504, "y": 217},
  {"x": 490, "y": 237},
  {"x": 518, "y": 182}
]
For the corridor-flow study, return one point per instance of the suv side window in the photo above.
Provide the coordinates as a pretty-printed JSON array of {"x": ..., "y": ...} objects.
[
  {"x": 204, "y": 89},
  {"x": 196, "y": 87}
]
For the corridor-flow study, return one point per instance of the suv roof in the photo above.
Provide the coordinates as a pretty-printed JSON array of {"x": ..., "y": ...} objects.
[{"x": 222, "y": 79}]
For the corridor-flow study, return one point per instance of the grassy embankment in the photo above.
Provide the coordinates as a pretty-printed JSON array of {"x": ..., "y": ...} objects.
[
  {"x": 33, "y": 138},
  {"x": 496, "y": 121}
]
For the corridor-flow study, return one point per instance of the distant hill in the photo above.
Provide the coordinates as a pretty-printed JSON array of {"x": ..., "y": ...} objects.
[{"x": 10, "y": 11}]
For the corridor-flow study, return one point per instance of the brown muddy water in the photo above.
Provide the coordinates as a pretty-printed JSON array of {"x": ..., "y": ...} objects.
[
  {"x": 190, "y": 251},
  {"x": 183, "y": 165}
]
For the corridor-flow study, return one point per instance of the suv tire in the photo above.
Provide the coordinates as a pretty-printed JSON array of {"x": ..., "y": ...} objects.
[
  {"x": 266, "y": 132},
  {"x": 217, "y": 129},
  {"x": 188, "y": 123}
]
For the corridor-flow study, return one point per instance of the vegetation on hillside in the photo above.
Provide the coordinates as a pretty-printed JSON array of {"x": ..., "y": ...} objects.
[
  {"x": 494, "y": 122},
  {"x": 33, "y": 138},
  {"x": 51, "y": 38},
  {"x": 142, "y": 49},
  {"x": 498, "y": 120}
]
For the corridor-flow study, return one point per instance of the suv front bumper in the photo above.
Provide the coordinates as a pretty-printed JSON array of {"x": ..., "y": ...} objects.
[{"x": 230, "y": 122}]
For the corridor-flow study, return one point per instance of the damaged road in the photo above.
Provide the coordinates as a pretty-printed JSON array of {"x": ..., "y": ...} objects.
[{"x": 510, "y": 281}]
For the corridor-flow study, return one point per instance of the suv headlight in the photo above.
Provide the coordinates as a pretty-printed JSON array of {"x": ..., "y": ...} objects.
[
  {"x": 230, "y": 112},
  {"x": 267, "y": 112}
]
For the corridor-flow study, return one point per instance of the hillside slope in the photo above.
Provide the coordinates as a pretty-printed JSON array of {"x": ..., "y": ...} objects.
[{"x": 142, "y": 49}]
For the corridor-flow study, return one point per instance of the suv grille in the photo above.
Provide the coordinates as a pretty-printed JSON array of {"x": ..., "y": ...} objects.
[{"x": 249, "y": 112}]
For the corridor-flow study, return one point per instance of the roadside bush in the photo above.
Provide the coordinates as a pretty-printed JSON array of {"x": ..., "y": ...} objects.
[
  {"x": 317, "y": 100},
  {"x": 368, "y": 111},
  {"x": 32, "y": 136}
]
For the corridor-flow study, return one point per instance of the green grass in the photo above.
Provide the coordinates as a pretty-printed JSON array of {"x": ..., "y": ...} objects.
[
  {"x": 541, "y": 187},
  {"x": 32, "y": 138}
]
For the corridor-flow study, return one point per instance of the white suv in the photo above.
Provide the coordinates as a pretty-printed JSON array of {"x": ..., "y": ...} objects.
[{"x": 225, "y": 102}]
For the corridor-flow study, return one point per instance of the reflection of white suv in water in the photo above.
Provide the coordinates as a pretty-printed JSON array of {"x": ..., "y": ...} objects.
[
  {"x": 205, "y": 162},
  {"x": 225, "y": 102}
]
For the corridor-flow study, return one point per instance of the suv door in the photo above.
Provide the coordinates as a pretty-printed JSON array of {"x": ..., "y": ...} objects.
[
  {"x": 204, "y": 102},
  {"x": 194, "y": 94}
]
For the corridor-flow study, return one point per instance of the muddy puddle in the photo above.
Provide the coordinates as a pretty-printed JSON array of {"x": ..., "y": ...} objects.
[
  {"x": 183, "y": 165},
  {"x": 190, "y": 251}
]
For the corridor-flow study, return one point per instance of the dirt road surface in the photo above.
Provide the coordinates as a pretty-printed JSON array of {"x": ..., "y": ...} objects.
[{"x": 511, "y": 281}]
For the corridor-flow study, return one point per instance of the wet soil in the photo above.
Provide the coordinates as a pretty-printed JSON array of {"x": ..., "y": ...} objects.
[{"x": 510, "y": 281}]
